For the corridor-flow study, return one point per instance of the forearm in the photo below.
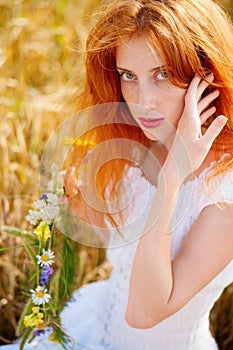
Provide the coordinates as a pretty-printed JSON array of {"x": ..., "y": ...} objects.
[{"x": 151, "y": 276}]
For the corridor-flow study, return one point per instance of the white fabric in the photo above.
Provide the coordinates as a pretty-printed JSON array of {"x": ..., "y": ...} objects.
[{"x": 96, "y": 318}]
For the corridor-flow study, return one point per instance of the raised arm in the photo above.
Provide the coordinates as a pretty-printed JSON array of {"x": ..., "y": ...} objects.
[{"x": 158, "y": 286}]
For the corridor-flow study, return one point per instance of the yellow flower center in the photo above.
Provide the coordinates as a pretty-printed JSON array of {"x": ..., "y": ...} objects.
[
  {"x": 40, "y": 294},
  {"x": 45, "y": 257}
]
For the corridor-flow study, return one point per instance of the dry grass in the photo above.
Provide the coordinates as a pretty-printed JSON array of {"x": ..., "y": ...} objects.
[{"x": 39, "y": 73}]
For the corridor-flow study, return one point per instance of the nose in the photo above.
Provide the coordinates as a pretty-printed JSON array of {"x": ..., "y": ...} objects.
[{"x": 146, "y": 97}]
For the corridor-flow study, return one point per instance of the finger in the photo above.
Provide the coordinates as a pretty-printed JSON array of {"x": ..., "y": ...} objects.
[
  {"x": 192, "y": 89},
  {"x": 204, "y": 103},
  {"x": 214, "y": 130},
  {"x": 207, "y": 114},
  {"x": 204, "y": 84},
  {"x": 191, "y": 97}
]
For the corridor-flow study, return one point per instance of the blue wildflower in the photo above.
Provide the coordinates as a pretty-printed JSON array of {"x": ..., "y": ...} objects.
[
  {"x": 38, "y": 332},
  {"x": 44, "y": 196},
  {"x": 45, "y": 273}
]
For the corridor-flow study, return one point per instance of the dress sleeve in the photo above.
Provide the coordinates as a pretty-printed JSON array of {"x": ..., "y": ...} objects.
[{"x": 218, "y": 190}]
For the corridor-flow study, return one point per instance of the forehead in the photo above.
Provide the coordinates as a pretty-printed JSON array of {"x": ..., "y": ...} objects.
[{"x": 136, "y": 52}]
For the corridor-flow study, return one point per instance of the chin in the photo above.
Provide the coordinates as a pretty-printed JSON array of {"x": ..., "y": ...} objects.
[
  {"x": 150, "y": 136},
  {"x": 163, "y": 138}
]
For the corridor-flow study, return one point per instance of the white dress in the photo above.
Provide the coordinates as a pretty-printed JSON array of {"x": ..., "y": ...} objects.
[{"x": 95, "y": 318}]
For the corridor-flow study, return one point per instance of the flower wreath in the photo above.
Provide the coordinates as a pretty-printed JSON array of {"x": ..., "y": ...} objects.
[{"x": 50, "y": 290}]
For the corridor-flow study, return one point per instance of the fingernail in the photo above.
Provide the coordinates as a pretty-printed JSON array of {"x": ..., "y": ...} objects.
[{"x": 222, "y": 119}]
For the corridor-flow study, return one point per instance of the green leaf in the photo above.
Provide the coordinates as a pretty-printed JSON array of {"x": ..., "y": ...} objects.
[
  {"x": 19, "y": 233},
  {"x": 61, "y": 336},
  {"x": 12, "y": 247},
  {"x": 31, "y": 253},
  {"x": 27, "y": 310},
  {"x": 54, "y": 288},
  {"x": 25, "y": 337},
  {"x": 67, "y": 271}
]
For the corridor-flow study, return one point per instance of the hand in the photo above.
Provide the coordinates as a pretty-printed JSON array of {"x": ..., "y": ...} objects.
[{"x": 189, "y": 147}]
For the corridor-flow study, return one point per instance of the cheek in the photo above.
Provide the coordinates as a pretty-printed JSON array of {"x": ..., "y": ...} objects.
[
  {"x": 177, "y": 103},
  {"x": 129, "y": 93}
]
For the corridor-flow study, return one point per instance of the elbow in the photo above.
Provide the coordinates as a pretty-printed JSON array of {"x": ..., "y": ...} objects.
[{"x": 141, "y": 320}]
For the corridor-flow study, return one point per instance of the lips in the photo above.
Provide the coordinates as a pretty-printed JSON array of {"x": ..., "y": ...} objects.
[{"x": 151, "y": 123}]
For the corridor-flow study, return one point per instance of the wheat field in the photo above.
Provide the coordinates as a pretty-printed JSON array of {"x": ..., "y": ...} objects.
[{"x": 41, "y": 69}]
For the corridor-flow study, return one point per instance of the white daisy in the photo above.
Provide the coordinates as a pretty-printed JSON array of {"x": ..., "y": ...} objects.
[
  {"x": 53, "y": 199},
  {"x": 39, "y": 203},
  {"x": 33, "y": 216},
  {"x": 45, "y": 216},
  {"x": 39, "y": 296},
  {"x": 46, "y": 259},
  {"x": 51, "y": 211}
]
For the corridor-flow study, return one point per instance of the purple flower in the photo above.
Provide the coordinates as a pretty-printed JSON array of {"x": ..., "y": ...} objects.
[
  {"x": 39, "y": 332},
  {"x": 45, "y": 273},
  {"x": 49, "y": 270},
  {"x": 44, "y": 196},
  {"x": 43, "y": 280}
]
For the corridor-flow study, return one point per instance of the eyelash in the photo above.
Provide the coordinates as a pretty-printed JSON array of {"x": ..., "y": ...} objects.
[{"x": 121, "y": 74}]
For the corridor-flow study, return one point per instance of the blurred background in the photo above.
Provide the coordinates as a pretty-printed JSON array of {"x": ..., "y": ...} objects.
[{"x": 41, "y": 67}]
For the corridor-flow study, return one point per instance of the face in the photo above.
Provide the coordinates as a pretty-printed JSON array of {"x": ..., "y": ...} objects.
[{"x": 155, "y": 103}]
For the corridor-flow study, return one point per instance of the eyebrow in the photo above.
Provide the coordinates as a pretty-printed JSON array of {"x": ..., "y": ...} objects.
[{"x": 151, "y": 70}]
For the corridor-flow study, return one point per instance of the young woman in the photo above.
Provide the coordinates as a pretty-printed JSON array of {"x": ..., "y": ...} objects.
[{"x": 168, "y": 68}]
